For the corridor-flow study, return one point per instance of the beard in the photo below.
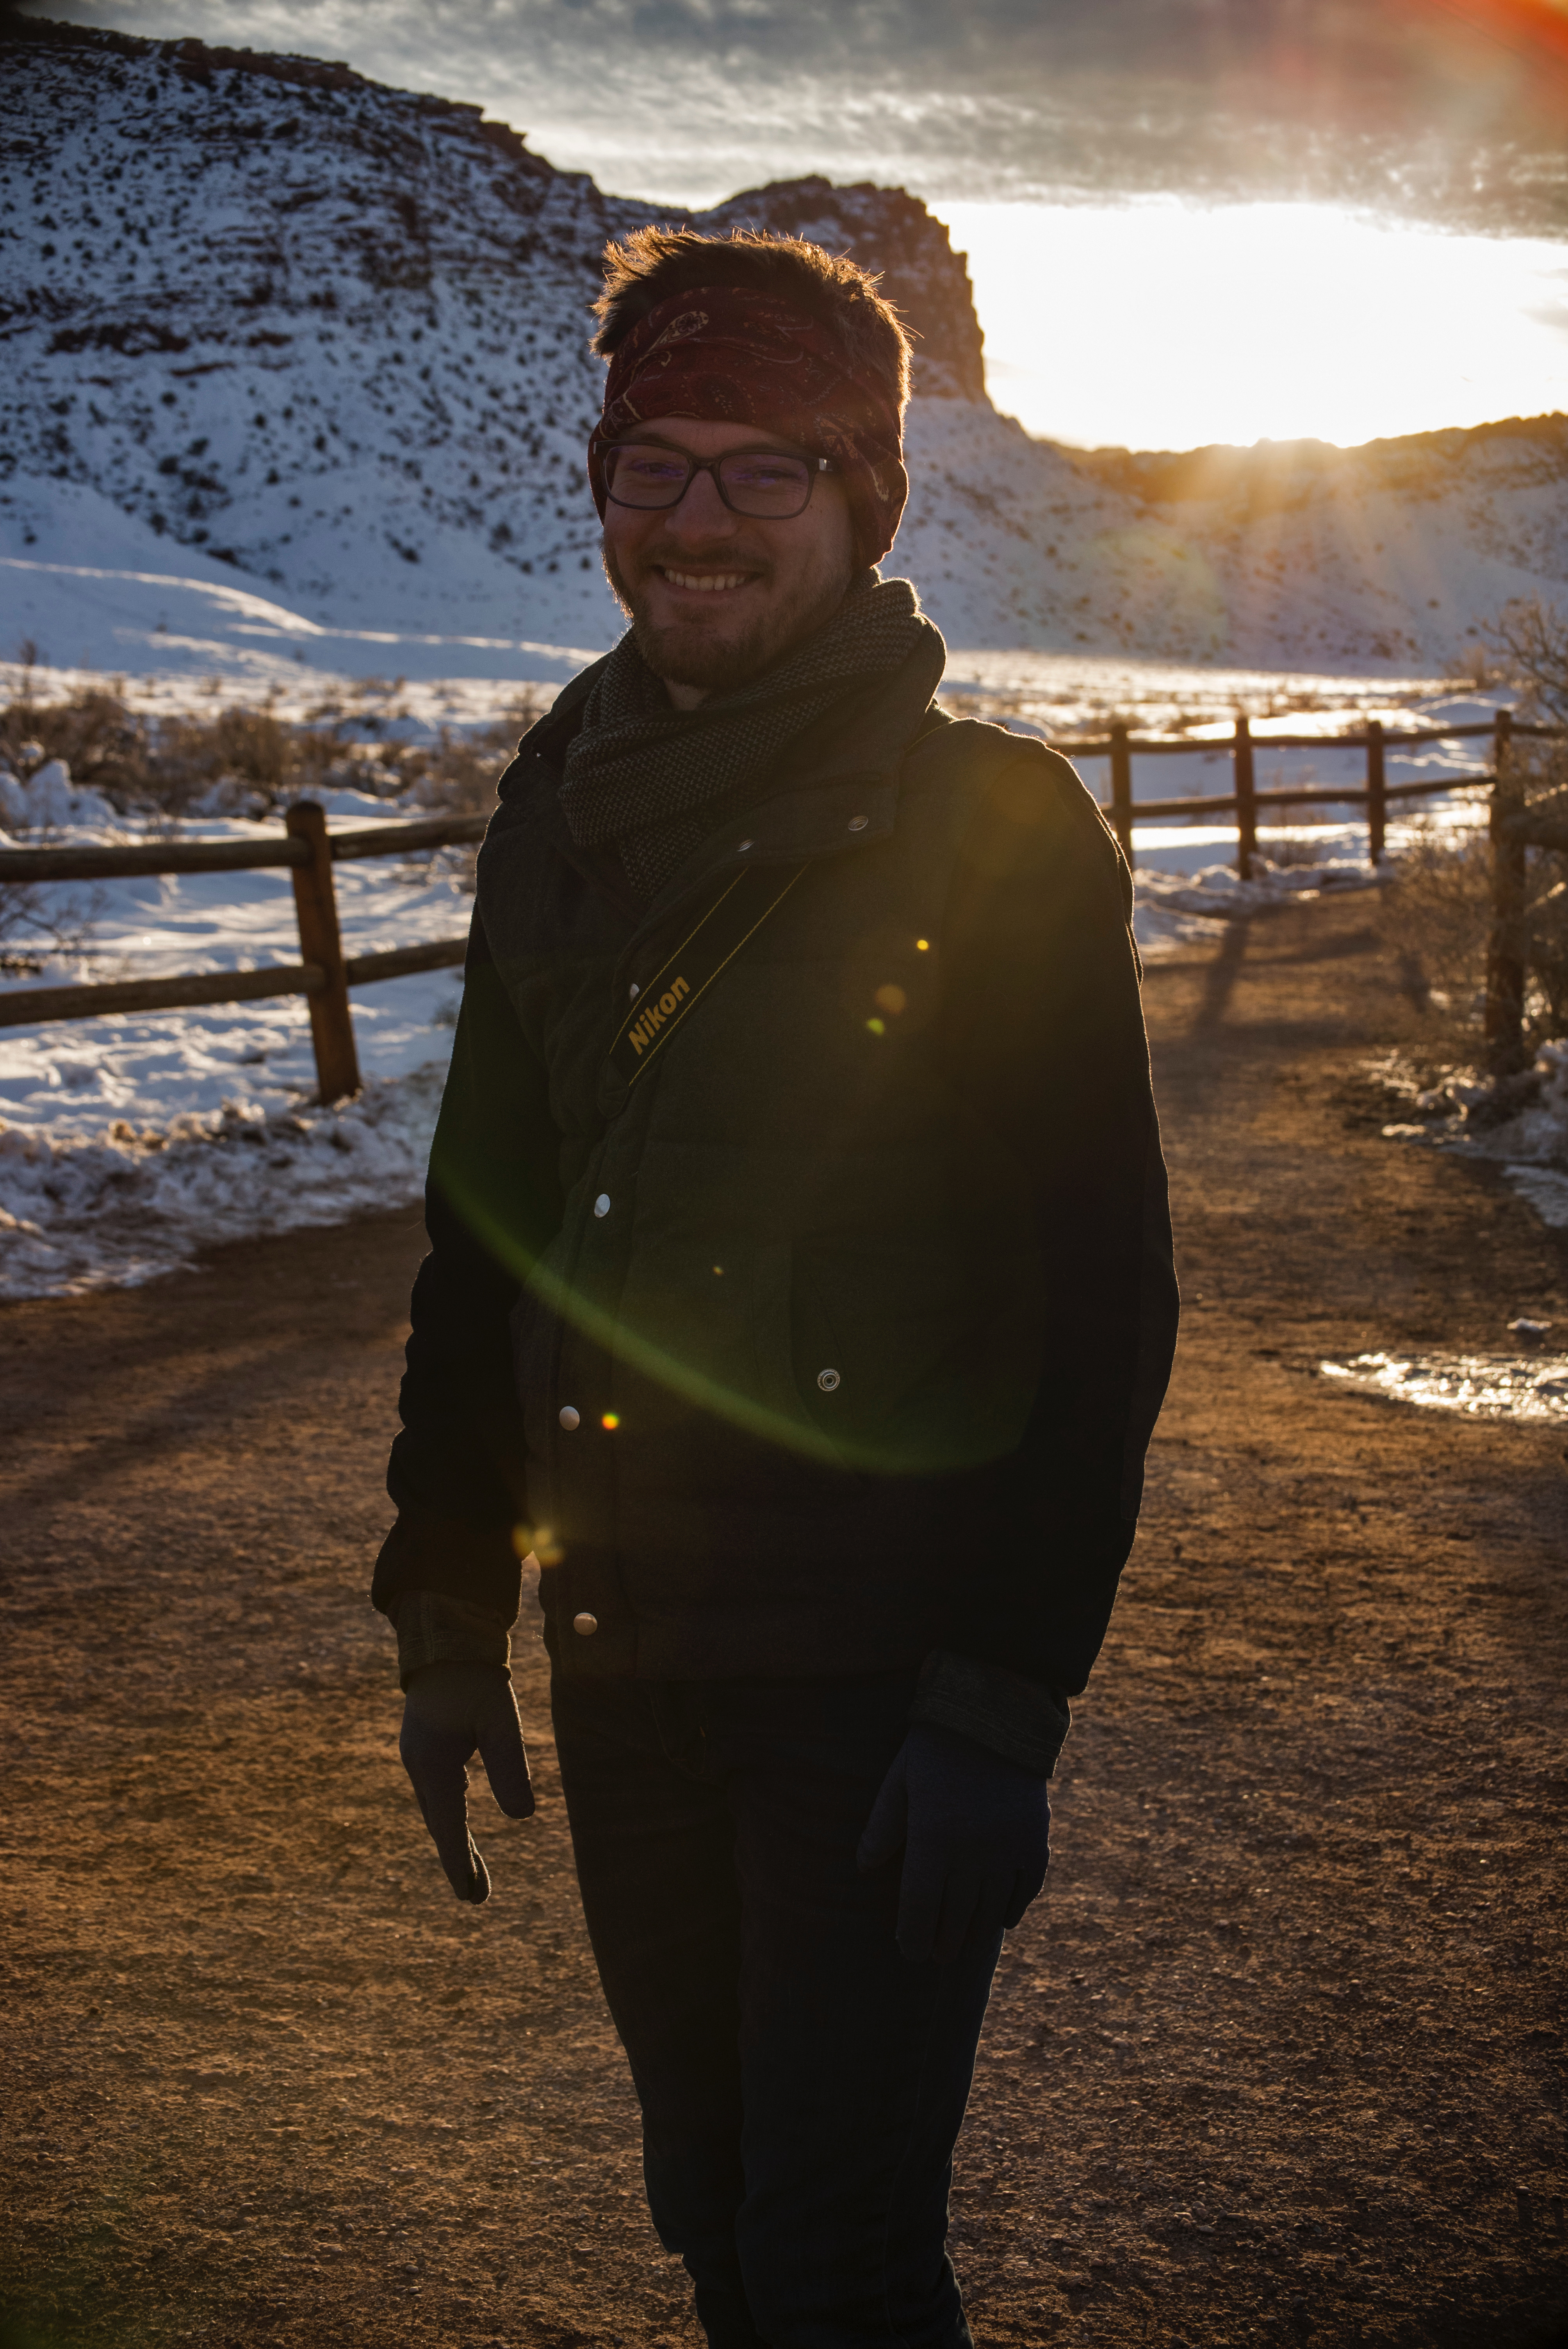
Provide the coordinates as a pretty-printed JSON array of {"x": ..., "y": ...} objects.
[{"x": 715, "y": 660}]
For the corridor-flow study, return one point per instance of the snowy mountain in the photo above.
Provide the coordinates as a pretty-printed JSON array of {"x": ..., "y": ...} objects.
[
  {"x": 1397, "y": 548},
  {"x": 330, "y": 340}
]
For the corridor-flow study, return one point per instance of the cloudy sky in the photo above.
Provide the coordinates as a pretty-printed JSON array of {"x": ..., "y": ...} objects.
[{"x": 1237, "y": 180}]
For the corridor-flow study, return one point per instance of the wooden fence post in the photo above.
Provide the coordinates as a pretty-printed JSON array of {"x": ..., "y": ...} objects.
[
  {"x": 1246, "y": 801},
  {"x": 1505, "y": 946},
  {"x": 316, "y": 907},
  {"x": 1121, "y": 789},
  {"x": 1377, "y": 805}
]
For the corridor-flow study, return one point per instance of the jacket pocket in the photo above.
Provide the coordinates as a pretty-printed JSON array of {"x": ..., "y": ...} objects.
[
  {"x": 911, "y": 1361},
  {"x": 702, "y": 1341}
]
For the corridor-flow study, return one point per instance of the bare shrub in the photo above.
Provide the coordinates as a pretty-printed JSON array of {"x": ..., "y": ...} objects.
[
  {"x": 251, "y": 757},
  {"x": 248, "y": 759},
  {"x": 1296, "y": 853},
  {"x": 1442, "y": 903},
  {"x": 35, "y": 924},
  {"x": 92, "y": 730},
  {"x": 27, "y": 936},
  {"x": 459, "y": 773},
  {"x": 1440, "y": 913},
  {"x": 1530, "y": 641},
  {"x": 1543, "y": 768}
]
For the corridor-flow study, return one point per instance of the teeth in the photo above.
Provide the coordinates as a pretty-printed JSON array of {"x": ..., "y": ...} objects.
[{"x": 706, "y": 581}]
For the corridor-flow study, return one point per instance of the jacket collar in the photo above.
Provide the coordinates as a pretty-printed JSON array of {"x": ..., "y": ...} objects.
[{"x": 834, "y": 790}]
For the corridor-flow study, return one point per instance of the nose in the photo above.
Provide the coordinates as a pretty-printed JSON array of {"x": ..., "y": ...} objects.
[{"x": 702, "y": 512}]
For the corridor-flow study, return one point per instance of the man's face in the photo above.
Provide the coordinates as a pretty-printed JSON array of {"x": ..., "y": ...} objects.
[{"x": 714, "y": 596}]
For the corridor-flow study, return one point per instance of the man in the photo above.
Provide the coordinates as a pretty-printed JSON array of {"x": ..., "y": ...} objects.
[{"x": 799, "y": 1293}]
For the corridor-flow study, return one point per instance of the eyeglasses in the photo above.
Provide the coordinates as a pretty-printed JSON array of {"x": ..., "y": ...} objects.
[{"x": 752, "y": 482}]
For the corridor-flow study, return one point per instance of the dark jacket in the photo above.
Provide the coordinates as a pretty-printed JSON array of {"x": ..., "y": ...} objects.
[{"x": 859, "y": 1304}]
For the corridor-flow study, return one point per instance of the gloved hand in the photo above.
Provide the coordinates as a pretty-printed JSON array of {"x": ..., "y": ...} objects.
[
  {"x": 976, "y": 1831},
  {"x": 449, "y": 1710}
]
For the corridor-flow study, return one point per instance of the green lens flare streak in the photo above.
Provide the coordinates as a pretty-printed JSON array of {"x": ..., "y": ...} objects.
[{"x": 624, "y": 1344}]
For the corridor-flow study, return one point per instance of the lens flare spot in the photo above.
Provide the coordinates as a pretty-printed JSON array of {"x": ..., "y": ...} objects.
[
  {"x": 612, "y": 1420},
  {"x": 891, "y": 999},
  {"x": 877, "y": 1027},
  {"x": 718, "y": 1272},
  {"x": 923, "y": 946},
  {"x": 523, "y": 1540},
  {"x": 547, "y": 1550}
]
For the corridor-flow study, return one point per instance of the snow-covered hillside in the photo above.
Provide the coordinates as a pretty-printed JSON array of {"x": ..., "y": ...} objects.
[
  {"x": 1395, "y": 550},
  {"x": 331, "y": 338},
  {"x": 336, "y": 336}
]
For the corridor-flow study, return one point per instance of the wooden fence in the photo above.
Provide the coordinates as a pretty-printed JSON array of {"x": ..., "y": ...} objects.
[
  {"x": 323, "y": 975},
  {"x": 1515, "y": 829},
  {"x": 1245, "y": 801}
]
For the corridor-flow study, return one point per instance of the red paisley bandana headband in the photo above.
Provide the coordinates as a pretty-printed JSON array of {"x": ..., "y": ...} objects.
[{"x": 732, "y": 356}]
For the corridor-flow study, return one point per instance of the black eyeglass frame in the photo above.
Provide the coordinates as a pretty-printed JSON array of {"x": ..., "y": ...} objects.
[{"x": 816, "y": 467}]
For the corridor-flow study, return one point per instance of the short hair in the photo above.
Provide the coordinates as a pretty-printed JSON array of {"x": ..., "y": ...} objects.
[{"x": 651, "y": 265}]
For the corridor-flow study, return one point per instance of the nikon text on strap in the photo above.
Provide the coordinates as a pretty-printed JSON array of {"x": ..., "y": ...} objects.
[{"x": 663, "y": 1002}]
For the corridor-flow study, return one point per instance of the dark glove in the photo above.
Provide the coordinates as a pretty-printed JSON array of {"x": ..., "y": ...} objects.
[
  {"x": 449, "y": 1710},
  {"x": 976, "y": 1831}
]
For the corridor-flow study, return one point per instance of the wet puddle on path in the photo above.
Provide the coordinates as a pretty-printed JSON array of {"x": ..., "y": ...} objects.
[{"x": 1531, "y": 1387}]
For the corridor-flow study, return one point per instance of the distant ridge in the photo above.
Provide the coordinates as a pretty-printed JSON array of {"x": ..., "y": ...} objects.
[{"x": 1286, "y": 472}]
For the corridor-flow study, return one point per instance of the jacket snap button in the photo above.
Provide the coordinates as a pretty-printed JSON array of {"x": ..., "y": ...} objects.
[
  {"x": 586, "y": 1624},
  {"x": 859, "y": 822},
  {"x": 827, "y": 1380},
  {"x": 571, "y": 1418},
  {"x": 602, "y": 1204}
]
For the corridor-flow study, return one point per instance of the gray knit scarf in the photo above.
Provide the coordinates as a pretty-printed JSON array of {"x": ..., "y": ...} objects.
[{"x": 647, "y": 777}]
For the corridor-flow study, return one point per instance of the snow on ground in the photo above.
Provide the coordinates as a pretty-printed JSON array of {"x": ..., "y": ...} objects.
[
  {"x": 1186, "y": 880},
  {"x": 1181, "y": 890},
  {"x": 98, "y": 593},
  {"x": 1057, "y": 693},
  {"x": 127, "y": 1145},
  {"x": 98, "y": 596},
  {"x": 114, "y": 1208},
  {"x": 1521, "y": 1120},
  {"x": 1395, "y": 555},
  {"x": 1476, "y": 1386}
]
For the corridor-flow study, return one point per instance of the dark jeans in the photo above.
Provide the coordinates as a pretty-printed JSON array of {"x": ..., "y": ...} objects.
[{"x": 801, "y": 2084}]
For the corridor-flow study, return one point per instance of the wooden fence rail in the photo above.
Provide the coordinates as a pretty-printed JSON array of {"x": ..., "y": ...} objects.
[
  {"x": 159, "y": 856},
  {"x": 1244, "y": 800},
  {"x": 323, "y": 975}
]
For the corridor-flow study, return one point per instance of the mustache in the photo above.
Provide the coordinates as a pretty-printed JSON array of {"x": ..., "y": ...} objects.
[{"x": 628, "y": 592}]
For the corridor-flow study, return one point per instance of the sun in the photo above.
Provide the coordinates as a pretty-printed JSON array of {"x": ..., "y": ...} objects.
[{"x": 1162, "y": 323}]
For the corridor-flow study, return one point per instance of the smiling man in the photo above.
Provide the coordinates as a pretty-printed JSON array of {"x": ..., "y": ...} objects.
[
  {"x": 714, "y": 598},
  {"x": 800, "y": 1295}
]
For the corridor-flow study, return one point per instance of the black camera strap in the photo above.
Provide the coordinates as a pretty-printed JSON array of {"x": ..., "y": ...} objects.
[{"x": 662, "y": 1002}]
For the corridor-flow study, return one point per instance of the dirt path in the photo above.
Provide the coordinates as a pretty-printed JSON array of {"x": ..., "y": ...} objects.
[{"x": 1279, "y": 2058}]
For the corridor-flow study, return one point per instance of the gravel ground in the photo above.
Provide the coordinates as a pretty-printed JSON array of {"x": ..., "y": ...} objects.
[{"x": 1278, "y": 2058}]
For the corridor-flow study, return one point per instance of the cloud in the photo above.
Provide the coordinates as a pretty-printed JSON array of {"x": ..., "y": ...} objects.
[{"x": 1403, "y": 105}]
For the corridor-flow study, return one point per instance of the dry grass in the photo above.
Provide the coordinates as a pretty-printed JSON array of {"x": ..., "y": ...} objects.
[{"x": 249, "y": 761}]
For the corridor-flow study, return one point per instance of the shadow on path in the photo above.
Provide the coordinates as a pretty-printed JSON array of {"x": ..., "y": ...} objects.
[{"x": 1221, "y": 977}]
